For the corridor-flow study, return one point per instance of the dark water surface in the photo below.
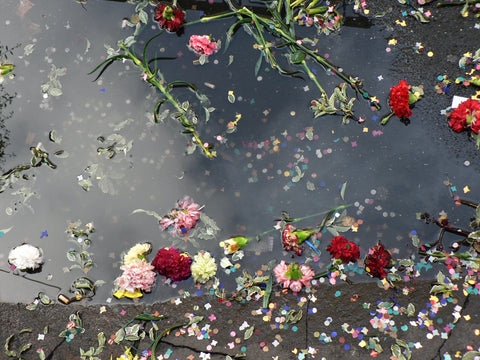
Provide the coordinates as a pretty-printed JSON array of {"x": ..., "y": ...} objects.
[{"x": 392, "y": 172}]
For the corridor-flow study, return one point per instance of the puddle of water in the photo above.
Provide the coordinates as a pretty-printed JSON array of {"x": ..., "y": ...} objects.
[{"x": 390, "y": 171}]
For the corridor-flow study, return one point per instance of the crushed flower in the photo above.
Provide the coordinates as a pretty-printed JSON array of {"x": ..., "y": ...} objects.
[
  {"x": 183, "y": 218},
  {"x": 292, "y": 238},
  {"x": 377, "y": 260}
]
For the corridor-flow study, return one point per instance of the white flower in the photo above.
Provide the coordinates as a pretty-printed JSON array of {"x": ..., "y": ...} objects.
[
  {"x": 135, "y": 252},
  {"x": 203, "y": 267},
  {"x": 26, "y": 257}
]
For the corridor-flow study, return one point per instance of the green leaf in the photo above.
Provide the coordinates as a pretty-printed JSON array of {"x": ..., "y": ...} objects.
[
  {"x": 342, "y": 191},
  {"x": 410, "y": 309},
  {"x": 143, "y": 16},
  {"x": 470, "y": 355},
  {"x": 248, "y": 333},
  {"x": 258, "y": 64}
]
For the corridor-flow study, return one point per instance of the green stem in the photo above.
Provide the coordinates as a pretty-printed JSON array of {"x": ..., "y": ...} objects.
[
  {"x": 151, "y": 78},
  {"x": 208, "y": 18},
  {"x": 442, "y": 4},
  {"x": 386, "y": 118},
  {"x": 312, "y": 77},
  {"x": 30, "y": 279},
  {"x": 462, "y": 256},
  {"x": 159, "y": 337}
]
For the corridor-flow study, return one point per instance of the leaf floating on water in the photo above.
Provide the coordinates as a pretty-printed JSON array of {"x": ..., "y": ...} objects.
[
  {"x": 53, "y": 137},
  {"x": 299, "y": 175},
  {"x": 61, "y": 154},
  {"x": 231, "y": 97},
  {"x": 342, "y": 191},
  {"x": 310, "y": 186},
  {"x": 55, "y": 91}
]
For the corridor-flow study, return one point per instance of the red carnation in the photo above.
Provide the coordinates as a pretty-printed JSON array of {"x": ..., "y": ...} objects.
[
  {"x": 377, "y": 260},
  {"x": 169, "y": 17},
  {"x": 467, "y": 114},
  {"x": 399, "y": 100},
  {"x": 341, "y": 248},
  {"x": 173, "y": 264}
]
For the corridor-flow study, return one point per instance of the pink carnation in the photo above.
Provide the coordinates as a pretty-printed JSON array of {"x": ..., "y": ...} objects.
[
  {"x": 202, "y": 45},
  {"x": 293, "y": 276},
  {"x": 183, "y": 218},
  {"x": 138, "y": 274}
]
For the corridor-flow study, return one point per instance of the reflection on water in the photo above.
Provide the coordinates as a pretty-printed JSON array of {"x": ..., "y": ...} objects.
[{"x": 112, "y": 159}]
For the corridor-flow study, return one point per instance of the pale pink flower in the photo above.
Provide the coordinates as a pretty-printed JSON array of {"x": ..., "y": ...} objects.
[
  {"x": 293, "y": 276},
  {"x": 138, "y": 274},
  {"x": 202, "y": 45},
  {"x": 182, "y": 219}
]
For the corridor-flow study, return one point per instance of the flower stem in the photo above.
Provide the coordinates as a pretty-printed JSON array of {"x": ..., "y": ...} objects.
[
  {"x": 386, "y": 118},
  {"x": 34, "y": 280},
  {"x": 453, "y": 3},
  {"x": 152, "y": 79},
  {"x": 159, "y": 337}
]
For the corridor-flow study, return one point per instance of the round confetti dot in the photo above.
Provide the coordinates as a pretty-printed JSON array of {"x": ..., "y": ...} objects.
[
  {"x": 346, "y": 347},
  {"x": 430, "y": 54},
  {"x": 341, "y": 340},
  {"x": 292, "y": 113}
]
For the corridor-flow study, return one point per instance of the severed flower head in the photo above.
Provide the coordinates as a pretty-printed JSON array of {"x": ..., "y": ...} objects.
[
  {"x": 466, "y": 115},
  {"x": 26, "y": 257},
  {"x": 137, "y": 252},
  {"x": 341, "y": 248},
  {"x": 169, "y": 17},
  {"x": 293, "y": 276},
  {"x": 183, "y": 218},
  {"x": 234, "y": 244},
  {"x": 377, "y": 260},
  {"x": 173, "y": 264},
  {"x": 293, "y": 238},
  {"x": 203, "y": 267},
  {"x": 137, "y": 275},
  {"x": 202, "y": 45},
  {"x": 399, "y": 100}
]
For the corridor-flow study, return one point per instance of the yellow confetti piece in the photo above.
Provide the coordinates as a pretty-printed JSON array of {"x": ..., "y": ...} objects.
[
  {"x": 401, "y": 23},
  {"x": 266, "y": 318},
  {"x": 366, "y": 11},
  {"x": 468, "y": 54},
  {"x": 365, "y": 130},
  {"x": 466, "y": 189},
  {"x": 476, "y": 332},
  {"x": 295, "y": 351},
  {"x": 392, "y": 42},
  {"x": 430, "y": 54},
  {"x": 362, "y": 343},
  {"x": 467, "y": 317}
]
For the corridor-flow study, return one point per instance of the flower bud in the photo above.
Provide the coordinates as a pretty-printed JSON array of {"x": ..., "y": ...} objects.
[{"x": 6, "y": 69}]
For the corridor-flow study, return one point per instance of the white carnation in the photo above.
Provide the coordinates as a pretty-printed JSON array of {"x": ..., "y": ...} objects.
[
  {"x": 203, "y": 267},
  {"x": 26, "y": 257}
]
